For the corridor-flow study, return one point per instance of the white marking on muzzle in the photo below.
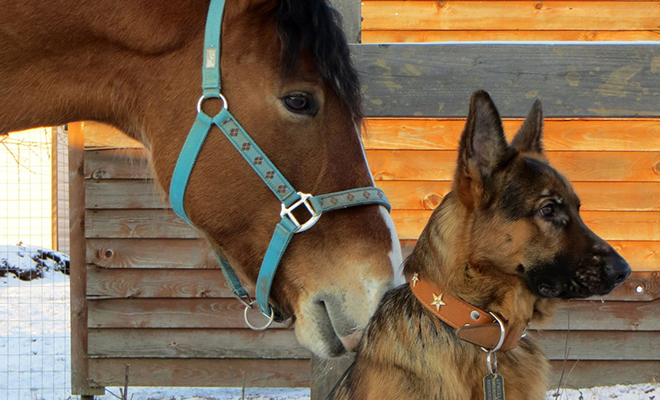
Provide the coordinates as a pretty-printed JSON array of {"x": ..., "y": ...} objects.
[
  {"x": 395, "y": 254},
  {"x": 396, "y": 258}
]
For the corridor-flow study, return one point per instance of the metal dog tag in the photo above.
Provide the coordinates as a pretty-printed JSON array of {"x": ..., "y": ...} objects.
[{"x": 493, "y": 387}]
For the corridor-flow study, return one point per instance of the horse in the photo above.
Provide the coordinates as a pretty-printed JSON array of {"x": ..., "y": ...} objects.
[{"x": 287, "y": 77}]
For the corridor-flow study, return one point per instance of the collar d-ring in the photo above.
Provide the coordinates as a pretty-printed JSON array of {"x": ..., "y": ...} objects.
[{"x": 502, "y": 335}]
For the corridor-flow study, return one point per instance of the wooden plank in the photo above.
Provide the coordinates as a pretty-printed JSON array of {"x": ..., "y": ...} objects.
[
  {"x": 194, "y": 343},
  {"x": 106, "y": 283},
  {"x": 641, "y": 255},
  {"x": 405, "y": 195},
  {"x": 295, "y": 373},
  {"x": 281, "y": 343},
  {"x": 524, "y": 15},
  {"x": 572, "y": 80},
  {"x": 599, "y": 345},
  {"x": 201, "y": 372},
  {"x": 609, "y": 225},
  {"x": 591, "y": 166},
  {"x": 111, "y": 283},
  {"x": 143, "y": 224},
  {"x": 135, "y": 193},
  {"x": 78, "y": 285},
  {"x": 420, "y": 36},
  {"x": 584, "y": 374},
  {"x": 117, "y": 164},
  {"x": 228, "y": 313},
  {"x": 153, "y": 224},
  {"x": 595, "y": 196},
  {"x": 640, "y": 286},
  {"x": 169, "y": 313},
  {"x": 590, "y": 315},
  {"x": 102, "y": 135},
  {"x": 150, "y": 253},
  {"x": 583, "y": 135}
]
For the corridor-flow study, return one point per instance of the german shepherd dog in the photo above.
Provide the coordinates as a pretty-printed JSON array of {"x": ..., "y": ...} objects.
[{"x": 498, "y": 252}]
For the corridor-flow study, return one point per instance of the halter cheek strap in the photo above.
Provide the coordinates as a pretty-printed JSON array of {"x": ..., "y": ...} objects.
[{"x": 289, "y": 198}]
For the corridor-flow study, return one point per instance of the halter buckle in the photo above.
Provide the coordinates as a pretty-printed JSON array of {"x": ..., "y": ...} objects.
[{"x": 288, "y": 212}]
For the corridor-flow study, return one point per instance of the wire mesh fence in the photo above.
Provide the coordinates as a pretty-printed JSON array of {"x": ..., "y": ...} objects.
[{"x": 34, "y": 283}]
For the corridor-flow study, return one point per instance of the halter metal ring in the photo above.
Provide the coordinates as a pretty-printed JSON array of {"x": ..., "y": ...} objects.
[
  {"x": 201, "y": 100},
  {"x": 270, "y": 317},
  {"x": 288, "y": 212},
  {"x": 502, "y": 335}
]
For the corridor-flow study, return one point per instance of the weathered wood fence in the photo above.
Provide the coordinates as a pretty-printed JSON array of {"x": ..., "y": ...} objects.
[{"x": 151, "y": 295}]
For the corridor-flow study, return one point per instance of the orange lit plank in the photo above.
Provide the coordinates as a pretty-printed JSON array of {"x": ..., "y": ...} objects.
[
  {"x": 505, "y": 15},
  {"x": 443, "y": 134}
]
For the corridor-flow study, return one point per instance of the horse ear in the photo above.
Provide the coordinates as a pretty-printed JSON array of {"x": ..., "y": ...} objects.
[
  {"x": 528, "y": 138},
  {"x": 482, "y": 147}
]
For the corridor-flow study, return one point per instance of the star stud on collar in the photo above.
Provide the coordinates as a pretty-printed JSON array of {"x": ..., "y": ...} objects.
[
  {"x": 437, "y": 301},
  {"x": 414, "y": 279}
]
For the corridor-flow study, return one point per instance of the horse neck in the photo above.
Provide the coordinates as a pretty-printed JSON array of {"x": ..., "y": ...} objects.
[
  {"x": 64, "y": 61},
  {"x": 442, "y": 257}
]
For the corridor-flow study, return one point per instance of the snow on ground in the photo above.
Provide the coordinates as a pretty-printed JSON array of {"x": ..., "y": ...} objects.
[{"x": 35, "y": 343}]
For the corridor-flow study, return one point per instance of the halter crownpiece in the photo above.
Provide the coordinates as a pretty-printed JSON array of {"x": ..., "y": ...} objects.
[
  {"x": 289, "y": 198},
  {"x": 482, "y": 328}
]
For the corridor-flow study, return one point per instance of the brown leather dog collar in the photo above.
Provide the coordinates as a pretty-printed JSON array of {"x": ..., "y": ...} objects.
[{"x": 472, "y": 324}]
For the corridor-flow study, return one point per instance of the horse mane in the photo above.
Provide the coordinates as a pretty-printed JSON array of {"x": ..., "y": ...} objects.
[{"x": 314, "y": 26}]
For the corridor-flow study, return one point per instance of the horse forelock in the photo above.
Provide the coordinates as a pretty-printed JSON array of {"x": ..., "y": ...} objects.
[{"x": 315, "y": 27}]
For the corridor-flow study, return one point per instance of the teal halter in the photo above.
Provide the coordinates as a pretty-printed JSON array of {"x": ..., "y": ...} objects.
[{"x": 288, "y": 196}]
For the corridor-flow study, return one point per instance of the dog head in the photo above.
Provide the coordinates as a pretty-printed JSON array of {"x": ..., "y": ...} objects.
[{"x": 524, "y": 215}]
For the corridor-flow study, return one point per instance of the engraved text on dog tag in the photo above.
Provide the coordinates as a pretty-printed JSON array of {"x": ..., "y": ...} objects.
[{"x": 493, "y": 387}]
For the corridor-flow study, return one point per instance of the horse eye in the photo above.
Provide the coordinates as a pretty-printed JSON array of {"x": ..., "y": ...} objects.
[
  {"x": 300, "y": 103},
  {"x": 547, "y": 211}
]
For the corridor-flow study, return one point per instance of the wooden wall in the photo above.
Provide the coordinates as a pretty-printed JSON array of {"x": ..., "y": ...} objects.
[
  {"x": 156, "y": 298},
  {"x": 611, "y": 151}
]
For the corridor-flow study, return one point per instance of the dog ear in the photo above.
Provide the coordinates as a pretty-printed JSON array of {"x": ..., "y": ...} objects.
[
  {"x": 482, "y": 147},
  {"x": 528, "y": 138}
]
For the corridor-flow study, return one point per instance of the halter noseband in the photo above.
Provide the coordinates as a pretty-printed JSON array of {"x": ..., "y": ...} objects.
[{"x": 287, "y": 195}]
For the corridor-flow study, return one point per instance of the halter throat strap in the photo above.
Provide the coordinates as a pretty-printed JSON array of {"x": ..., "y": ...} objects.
[
  {"x": 289, "y": 198},
  {"x": 482, "y": 328}
]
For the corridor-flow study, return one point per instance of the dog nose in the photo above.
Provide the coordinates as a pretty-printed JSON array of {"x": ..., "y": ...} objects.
[{"x": 617, "y": 269}]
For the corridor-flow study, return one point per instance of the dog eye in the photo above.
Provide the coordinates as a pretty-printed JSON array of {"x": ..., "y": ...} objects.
[
  {"x": 547, "y": 211},
  {"x": 300, "y": 103}
]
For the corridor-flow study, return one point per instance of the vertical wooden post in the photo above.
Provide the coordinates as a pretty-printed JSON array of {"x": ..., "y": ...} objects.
[
  {"x": 326, "y": 373},
  {"x": 54, "y": 180},
  {"x": 77, "y": 264},
  {"x": 351, "y": 15}
]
